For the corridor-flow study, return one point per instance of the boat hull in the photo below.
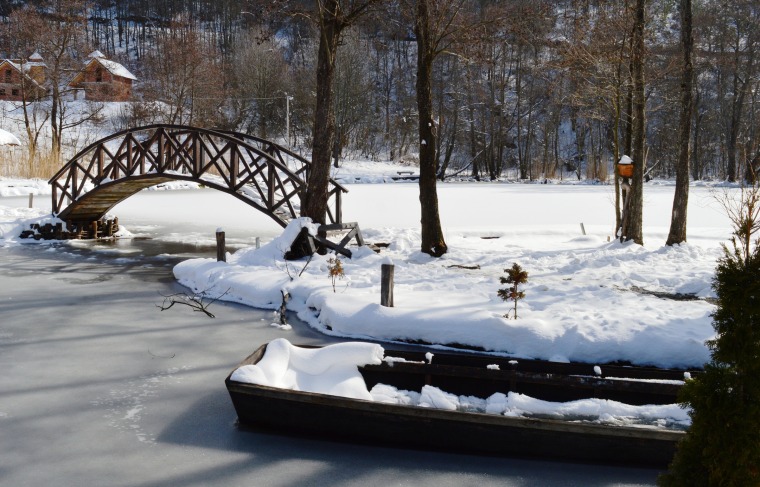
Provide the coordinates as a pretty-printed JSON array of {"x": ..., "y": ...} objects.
[{"x": 334, "y": 417}]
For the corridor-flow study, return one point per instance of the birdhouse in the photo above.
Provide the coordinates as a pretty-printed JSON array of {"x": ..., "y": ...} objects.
[{"x": 625, "y": 167}]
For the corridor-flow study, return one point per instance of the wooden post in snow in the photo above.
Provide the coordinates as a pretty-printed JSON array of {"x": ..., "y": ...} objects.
[
  {"x": 221, "y": 251},
  {"x": 386, "y": 285}
]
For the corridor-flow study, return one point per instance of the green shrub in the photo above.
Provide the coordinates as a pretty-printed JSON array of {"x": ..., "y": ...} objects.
[{"x": 722, "y": 447}]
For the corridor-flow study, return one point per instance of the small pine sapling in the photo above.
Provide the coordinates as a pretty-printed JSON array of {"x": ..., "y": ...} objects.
[
  {"x": 515, "y": 277},
  {"x": 335, "y": 270}
]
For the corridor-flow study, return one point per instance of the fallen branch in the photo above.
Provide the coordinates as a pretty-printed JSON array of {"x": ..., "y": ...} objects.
[
  {"x": 468, "y": 267},
  {"x": 195, "y": 301}
]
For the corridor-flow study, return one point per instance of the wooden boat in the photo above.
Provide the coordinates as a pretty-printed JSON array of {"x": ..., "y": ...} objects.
[{"x": 464, "y": 374}]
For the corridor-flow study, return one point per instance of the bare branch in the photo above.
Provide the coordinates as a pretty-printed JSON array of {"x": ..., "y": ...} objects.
[{"x": 194, "y": 301}]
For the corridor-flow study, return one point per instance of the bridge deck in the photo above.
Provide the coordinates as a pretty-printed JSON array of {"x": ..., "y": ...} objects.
[{"x": 95, "y": 204}]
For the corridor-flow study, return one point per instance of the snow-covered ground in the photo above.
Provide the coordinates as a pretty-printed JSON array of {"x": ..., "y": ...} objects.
[{"x": 588, "y": 297}]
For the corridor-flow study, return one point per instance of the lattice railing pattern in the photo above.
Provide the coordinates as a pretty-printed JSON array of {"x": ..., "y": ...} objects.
[{"x": 259, "y": 172}]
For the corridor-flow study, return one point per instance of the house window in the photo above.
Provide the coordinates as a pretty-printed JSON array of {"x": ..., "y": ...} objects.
[
  {"x": 14, "y": 92},
  {"x": 8, "y": 75},
  {"x": 2, "y": 91},
  {"x": 99, "y": 75}
]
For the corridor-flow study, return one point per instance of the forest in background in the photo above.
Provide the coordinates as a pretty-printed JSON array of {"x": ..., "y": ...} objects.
[{"x": 541, "y": 88}]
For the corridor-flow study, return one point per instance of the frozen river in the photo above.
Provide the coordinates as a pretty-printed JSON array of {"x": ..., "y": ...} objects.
[{"x": 100, "y": 387}]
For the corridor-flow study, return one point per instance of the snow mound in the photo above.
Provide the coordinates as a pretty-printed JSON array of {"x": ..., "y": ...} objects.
[
  {"x": 329, "y": 370},
  {"x": 274, "y": 250}
]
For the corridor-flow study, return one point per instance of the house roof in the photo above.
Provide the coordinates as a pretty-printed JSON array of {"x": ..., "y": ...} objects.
[
  {"x": 96, "y": 57},
  {"x": 115, "y": 68},
  {"x": 26, "y": 67}
]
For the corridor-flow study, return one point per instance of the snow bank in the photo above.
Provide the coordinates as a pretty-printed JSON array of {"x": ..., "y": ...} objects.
[
  {"x": 7, "y": 138},
  {"x": 14, "y": 220},
  {"x": 587, "y": 300},
  {"x": 23, "y": 187}
]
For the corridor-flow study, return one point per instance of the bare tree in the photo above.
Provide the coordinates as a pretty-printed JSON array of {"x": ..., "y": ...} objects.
[
  {"x": 433, "y": 27},
  {"x": 677, "y": 232},
  {"x": 333, "y": 17},
  {"x": 352, "y": 99},
  {"x": 29, "y": 111},
  {"x": 632, "y": 228},
  {"x": 738, "y": 36},
  {"x": 65, "y": 22},
  {"x": 55, "y": 29},
  {"x": 181, "y": 73},
  {"x": 261, "y": 85}
]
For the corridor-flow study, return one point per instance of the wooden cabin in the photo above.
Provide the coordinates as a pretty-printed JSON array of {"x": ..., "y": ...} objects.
[
  {"x": 104, "y": 80},
  {"x": 21, "y": 78}
]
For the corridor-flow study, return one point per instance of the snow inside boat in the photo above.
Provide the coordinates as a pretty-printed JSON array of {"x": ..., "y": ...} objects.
[{"x": 462, "y": 402}]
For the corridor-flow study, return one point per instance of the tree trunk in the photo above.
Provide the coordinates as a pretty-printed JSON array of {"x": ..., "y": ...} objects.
[
  {"x": 518, "y": 100},
  {"x": 634, "y": 220},
  {"x": 741, "y": 84},
  {"x": 696, "y": 160},
  {"x": 31, "y": 130},
  {"x": 432, "y": 235},
  {"x": 677, "y": 233},
  {"x": 55, "y": 128},
  {"x": 314, "y": 200},
  {"x": 628, "y": 139}
]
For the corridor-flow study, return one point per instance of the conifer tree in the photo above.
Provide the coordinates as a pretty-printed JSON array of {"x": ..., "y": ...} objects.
[
  {"x": 515, "y": 277},
  {"x": 722, "y": 447}
]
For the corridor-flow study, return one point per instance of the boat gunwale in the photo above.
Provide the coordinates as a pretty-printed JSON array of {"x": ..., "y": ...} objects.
[{"x": 416, "y": 412}]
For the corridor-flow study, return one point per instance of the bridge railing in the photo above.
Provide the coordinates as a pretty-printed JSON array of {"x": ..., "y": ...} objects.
[
  {"x": 300, "y": 166},
  {"x": 265, "y": 175}
]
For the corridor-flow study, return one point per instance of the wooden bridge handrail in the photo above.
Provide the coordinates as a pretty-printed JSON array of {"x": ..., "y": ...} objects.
[
  {"x": 284, "y": 149},
  {"x": 239, "y": 159},
  {"x": 219, "y": 133}
]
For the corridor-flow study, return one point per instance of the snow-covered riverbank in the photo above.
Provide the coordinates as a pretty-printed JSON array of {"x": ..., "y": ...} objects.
[{"x": 587, "y": 299}]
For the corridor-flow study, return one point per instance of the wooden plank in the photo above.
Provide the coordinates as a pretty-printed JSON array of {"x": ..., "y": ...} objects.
[{"x": 333, "y": 227}]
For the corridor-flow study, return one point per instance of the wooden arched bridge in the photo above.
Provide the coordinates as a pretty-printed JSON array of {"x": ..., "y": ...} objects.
[{"x": 261, "y": 173}]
